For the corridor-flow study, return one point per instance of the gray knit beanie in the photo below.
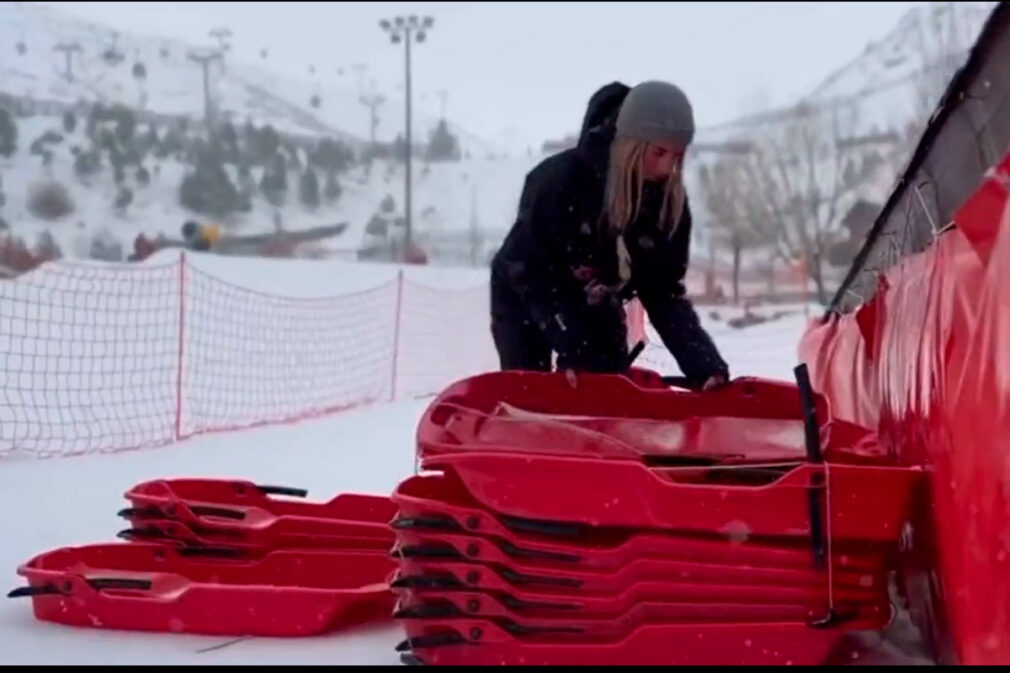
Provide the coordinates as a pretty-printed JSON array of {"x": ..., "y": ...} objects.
[{"x": 656, "y": 112}]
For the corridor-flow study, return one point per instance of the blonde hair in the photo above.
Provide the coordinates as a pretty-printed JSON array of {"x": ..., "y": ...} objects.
[{"x": 623, "y": 194}]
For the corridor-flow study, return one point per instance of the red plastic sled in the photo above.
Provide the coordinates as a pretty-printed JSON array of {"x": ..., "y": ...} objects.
[
  {"x": 611, "y": 417},
  {"x": 439, "y": 502},
  {"x": 483, "y": 643},
  {"x": 242, "y": 516},
  {"x": 810, "y": 584},
  {"x": 149, "y": 587},
  {"x": 866, "y": 504},
  {"x": 424, "y": 574},
  {"x": 245, "y": 544},
  {"x": 557, "y": 599},
  {"x": 246, "y": 510},
  {"x": 618, "y": 623}
]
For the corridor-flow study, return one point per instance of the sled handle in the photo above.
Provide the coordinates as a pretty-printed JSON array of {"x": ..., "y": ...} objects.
[
  {"x": 282, "y": 490},
  {"x": 119, "y": 583}
]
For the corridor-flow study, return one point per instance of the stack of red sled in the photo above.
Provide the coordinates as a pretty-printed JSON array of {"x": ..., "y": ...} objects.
[
  {"x": 613, "y": 521},
  {"x": 619, "y": 522},
  {"x": 224, "y": 558}
]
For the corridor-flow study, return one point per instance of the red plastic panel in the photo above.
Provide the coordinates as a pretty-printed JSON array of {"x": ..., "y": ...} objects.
[{"x": 932, "y": 374}]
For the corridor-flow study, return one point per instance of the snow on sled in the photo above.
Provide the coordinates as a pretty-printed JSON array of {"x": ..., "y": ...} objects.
[
  {"x": 617, "y": 521},
  {"x": 151, "y": 587},
  {"x": 239, "y": 514}
]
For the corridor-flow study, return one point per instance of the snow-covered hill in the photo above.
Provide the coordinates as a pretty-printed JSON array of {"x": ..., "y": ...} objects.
[
  {"x": 885, "y": 79},
  {"x": 854, "y": 131},
  {"x": 103, "y": 67},
  {"x": 157, "y": 78}
]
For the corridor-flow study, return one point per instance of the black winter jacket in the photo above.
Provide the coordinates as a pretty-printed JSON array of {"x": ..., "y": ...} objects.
[{"x": 557, "y": 245}]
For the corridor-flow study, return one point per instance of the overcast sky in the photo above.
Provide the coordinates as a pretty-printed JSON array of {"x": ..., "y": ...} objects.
[{"x": 527, "y": 69}]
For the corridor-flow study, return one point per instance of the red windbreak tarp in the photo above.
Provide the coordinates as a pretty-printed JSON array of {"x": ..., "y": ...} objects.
[{"x": 927, "y": 362}]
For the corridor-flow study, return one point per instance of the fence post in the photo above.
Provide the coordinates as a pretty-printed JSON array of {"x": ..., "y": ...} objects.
[
  {"x": 396, "y": 333},
  {"x": 182, "y": 347}
]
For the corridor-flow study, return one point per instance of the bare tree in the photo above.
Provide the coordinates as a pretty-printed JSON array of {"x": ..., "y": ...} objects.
[
  {"x": 800, "y": 179},
  {"x": 740, "y": 220}
]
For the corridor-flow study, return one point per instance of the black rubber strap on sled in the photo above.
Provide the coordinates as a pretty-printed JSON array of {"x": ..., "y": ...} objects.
[
  {"x": 282, "y": 490},
  {"x": 219, "y": 512},
  {"x": 100, "y": 583},
  {"x": 517, "y": 629},
  {"x": 438, "y": 523},
  {"x": 428, "y": 551},
  {"x": 812, "y": 434},
  {"x": 410, "y": 659},
  {"x": 522, "y": 579},
  {"x": 551, "y": 528},
  {"x": 635, "y": 352},
  {"x": 812, "y": 429},
  {"x": 431, "y": 611},
  {"x": 25, "y": 592},
  {"x": 140, "y": 513},
  {"x": 426, "y": 582},
  {"x": 813, "y": 445},
  {"x": 210, "y": 552},
  {"x": 144, "y": 533},
  {"x": 512, "y": 551},
  {"x": 434, "y": 640},
  {"x": 520, "y": 605}
]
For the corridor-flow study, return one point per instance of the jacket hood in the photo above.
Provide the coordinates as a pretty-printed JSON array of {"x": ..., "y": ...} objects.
[{"x": 598, "y": 124}]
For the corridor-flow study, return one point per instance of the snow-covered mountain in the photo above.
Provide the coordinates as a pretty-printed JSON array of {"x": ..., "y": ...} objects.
[
  {"x": 888, "y": 78},
  {"x": 36, "y": 44},
  {"x": 853, "y": 132}
]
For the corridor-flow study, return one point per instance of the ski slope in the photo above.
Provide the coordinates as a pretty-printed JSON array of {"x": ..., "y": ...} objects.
[{"x": 62, "y": 502}]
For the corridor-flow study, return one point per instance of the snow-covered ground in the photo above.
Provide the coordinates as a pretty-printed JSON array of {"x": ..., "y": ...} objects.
[{"x": 61, "y": 502}]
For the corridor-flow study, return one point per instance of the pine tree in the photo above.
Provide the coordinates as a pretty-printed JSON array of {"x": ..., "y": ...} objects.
[
  {"x": 332, "y": 191},
  {"x": 274, "y": 183},
  {"x": 8, "y": 134},
  {"x": 442, "y": 145},
  {"x": 308, "y": 189}
]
